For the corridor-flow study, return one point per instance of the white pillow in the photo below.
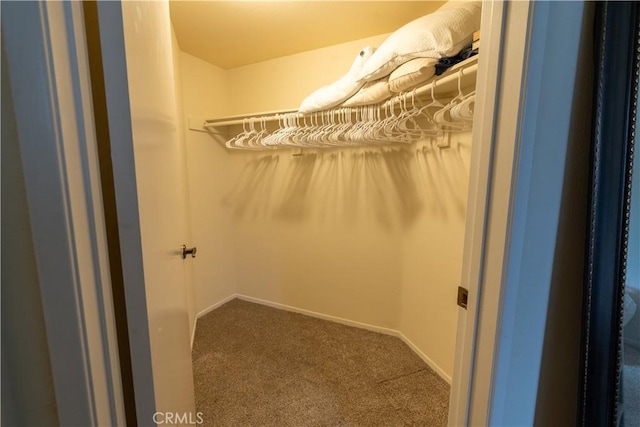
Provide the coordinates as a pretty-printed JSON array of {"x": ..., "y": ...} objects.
[
  {"x": 340, "y": 90},
  {"x": 442, "y": 33},
  {"x": 371, "y": 93},
  {"x": 412, "y": 73}
]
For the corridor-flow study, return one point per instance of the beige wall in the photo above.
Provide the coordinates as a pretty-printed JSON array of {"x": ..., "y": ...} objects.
[
  {"x": 370, "y": 235},
  {"x": 189, "y": 268},
  {"x": 282, "y": 83},
  {"x": 320, "y": 232},
  {"x": 433, "y": 248},
  {"x": 27, "y": 384},
  {"x": 209, "y": 172}
]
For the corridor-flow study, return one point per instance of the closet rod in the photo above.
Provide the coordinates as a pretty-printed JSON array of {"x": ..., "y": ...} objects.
[
  {"x": 238, "y": 120},
  {"x": 463, "y": 69}
]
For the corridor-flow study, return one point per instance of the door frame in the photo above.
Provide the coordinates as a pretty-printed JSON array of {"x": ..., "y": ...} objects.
[
  {"x": 47, "y": 62},
  {"x": 514, "y": 204},
  {"x": 110, "y": 16},
  {"x": 114, "y": 63},
  {"x": 46, "y": 43},
  {"x": 492, "y": 30}
]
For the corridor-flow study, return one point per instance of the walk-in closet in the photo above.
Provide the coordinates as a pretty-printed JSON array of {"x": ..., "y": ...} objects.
[
  {"x": 326, "y": 193},
  {"x": 352, "y": 212},
  {"x": 295, "y": 213}
]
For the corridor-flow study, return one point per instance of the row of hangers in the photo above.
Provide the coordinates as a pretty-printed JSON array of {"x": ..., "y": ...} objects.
[{"x": 405, "y": 118}]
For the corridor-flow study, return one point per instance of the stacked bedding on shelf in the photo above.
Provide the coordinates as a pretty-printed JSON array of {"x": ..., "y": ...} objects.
[
  {"x": 407, "y": 58},
  {"x": 335, "y": 93}
]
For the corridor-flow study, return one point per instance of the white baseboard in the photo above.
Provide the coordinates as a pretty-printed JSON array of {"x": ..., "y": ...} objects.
[
  {"x": 207, "y": 310},
  {"x": 425, "y": 358},
  {"x": 368, "y": 327},
  {"x": 310, "y": 313},
  {"x": 216, "y": 305}
]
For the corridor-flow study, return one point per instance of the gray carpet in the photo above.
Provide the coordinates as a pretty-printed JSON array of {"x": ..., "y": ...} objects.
[
  {"x": 631, "y": 385},
  {"x": 259, "y": 366}
]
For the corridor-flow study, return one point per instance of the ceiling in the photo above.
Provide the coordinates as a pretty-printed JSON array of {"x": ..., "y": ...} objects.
[{"x": 230, "y": 34}]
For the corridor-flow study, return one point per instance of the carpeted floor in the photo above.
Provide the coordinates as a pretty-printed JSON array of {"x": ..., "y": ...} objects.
[
  {"x": 631, "y": 385},
  {"x": 259, "y": 366}
]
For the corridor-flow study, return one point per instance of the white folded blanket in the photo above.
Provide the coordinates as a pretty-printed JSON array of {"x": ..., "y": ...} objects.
[
  {"x": 442, "y": 33},
  {"x": 339, "y": 91},
  {"x": 373, "y": 92}
]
